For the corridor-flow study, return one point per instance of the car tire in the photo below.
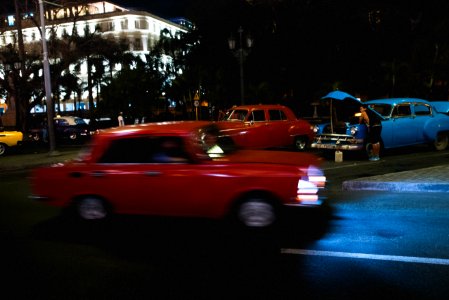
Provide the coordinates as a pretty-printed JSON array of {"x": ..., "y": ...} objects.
[
  {"x": 442, "y": 141},
  {"x": 301, "y": 143},
  {"x": 35, "y": 137},
  {"x": 73, "y": 136},
  {"x": 369, "y": 149},
  {"x": 256, "y": 212},
  {"x": 3, "y": 149},
  {"x": 91, "y": 208}
]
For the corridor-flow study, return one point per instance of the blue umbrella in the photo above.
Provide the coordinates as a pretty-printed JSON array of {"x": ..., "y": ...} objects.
[{"x": 339, "y": 95}]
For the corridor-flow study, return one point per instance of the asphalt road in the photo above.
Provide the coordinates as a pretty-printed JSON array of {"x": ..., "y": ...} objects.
[{"x": 366, "y": 244}]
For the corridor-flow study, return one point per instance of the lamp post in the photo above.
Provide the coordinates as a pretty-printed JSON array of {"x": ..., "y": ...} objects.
[
  {"x": 47, "y": 81},
  {"x": 241, "y": 53}
]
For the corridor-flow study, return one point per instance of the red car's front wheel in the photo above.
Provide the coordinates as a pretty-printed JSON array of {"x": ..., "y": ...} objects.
[{"x": 256, "y": 213}]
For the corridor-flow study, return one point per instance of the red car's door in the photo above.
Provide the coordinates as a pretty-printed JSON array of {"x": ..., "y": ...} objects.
[
  {"x": 258, "y": 134},
  {"x": 150, "y": 175},
  {"x": 279, "y": 128},
  {"x": 174, "y": 189}
]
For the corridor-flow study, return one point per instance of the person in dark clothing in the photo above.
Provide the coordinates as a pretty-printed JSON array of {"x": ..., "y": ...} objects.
[{"x": 374, "y": 127}]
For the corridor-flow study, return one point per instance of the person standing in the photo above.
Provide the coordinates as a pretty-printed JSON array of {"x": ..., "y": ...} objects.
[
  {"x": 121, "y": 121},
  {"x": 45, "y": 130},
  {"x": 374, "y": 128}
]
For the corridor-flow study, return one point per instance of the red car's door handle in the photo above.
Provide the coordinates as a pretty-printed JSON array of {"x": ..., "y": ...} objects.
[
  {"x": 153, "y": 173},
  {"x": 97, "y": 174}
]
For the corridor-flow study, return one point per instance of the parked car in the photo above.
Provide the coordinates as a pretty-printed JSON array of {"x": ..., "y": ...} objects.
[
  {"x": 266, "y": 126},
  {"x": 67, "y": 128},
  {"x": 179, "y": 169},
  {"x": 9, "y": 139},
  {"x": 71, "y": 128},
  {"x": 405, "y": 121},
  {"x": 441, "y": 106},
  {"x": 102, "y": 123}
]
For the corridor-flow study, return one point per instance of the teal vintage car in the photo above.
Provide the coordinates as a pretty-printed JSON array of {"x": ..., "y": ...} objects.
[
  {"x": 405, "y": 122},
  {"x": 441, "y": 106}
]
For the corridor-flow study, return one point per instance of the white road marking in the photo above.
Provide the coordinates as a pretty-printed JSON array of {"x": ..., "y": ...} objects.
[{"x": 408, "y": 259}]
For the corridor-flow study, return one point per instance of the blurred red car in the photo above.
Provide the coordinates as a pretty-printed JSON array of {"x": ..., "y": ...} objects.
[
  {"x": 266, "y": 126},
  {"x": 180, "y": 169}
]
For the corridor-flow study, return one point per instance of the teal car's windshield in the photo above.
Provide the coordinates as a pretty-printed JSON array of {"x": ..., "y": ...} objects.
[{"x": 382, "y": 109}]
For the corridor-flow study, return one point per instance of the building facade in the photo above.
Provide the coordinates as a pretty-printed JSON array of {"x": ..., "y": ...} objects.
[{"x": 140, "y": 29}]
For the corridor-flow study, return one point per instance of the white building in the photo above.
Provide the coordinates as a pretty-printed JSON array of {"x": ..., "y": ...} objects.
[{"x": 140, "y": 28}]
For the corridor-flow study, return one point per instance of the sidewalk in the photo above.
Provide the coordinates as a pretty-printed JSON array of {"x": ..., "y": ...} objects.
[
  {"x": 20, "y": 161},
  {"x": 432, "y": 179}
]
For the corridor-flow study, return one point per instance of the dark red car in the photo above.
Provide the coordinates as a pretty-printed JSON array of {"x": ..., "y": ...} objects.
[
  {"x": 180, "y": 169},
  {"x": 266, "y": 126}
]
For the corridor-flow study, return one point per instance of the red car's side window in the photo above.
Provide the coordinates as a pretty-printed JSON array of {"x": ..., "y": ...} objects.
[
  {"x": 257, "y": 116},
  {"x": 277, "y": 115},
  {"x": 129, "y": 150},
  {"x": 145, "y": 150},
  {"x": 238, "y": 115}
]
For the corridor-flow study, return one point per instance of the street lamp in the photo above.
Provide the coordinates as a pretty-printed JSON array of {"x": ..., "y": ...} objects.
[{"x": 241, "y": 53}]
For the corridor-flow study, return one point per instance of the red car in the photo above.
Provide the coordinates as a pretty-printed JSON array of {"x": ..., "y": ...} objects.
[
  {"x": 179, "y": 169},
  {"x": 266, "y": 126}
]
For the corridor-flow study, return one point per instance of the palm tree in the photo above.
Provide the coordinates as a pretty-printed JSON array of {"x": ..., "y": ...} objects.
[{"x": 96, "y": 52}]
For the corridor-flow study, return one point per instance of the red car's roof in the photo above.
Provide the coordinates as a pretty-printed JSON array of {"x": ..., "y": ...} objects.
[
  {"x": 178, "y": 127},
  {"x": 258, "y": 106}
]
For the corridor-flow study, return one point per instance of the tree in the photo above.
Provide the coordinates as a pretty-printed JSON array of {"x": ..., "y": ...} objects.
[{"x": 134, "y": 91}]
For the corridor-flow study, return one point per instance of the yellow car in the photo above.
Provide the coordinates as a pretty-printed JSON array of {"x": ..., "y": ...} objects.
[{"x": 9, "y": 139}]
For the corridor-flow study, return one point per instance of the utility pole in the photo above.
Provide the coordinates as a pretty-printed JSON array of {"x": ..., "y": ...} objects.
[
  {"x": 47, "y": 82},
  {"x": 19, "y": 105}
]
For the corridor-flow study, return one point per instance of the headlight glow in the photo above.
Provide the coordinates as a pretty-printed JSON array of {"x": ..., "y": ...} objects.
[{"x": 308, "y": 186}]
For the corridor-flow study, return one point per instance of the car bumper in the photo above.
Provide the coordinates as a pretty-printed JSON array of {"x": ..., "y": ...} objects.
[
  {"x": 338, "y": 142},
  {"x": 306, "y": 203},
  {"x": 38, "y": 198}
]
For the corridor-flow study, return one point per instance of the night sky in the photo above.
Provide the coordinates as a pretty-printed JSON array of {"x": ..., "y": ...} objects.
[{"x": 162, "y": 8}]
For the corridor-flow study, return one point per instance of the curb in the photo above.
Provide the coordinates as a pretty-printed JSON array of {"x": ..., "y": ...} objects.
[
  {"x": 431, "y": 179},
  {"x": 357, "y": 185}
]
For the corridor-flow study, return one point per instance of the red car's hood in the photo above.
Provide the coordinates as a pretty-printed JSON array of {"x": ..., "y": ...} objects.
[
  {"x": 274, "y": 157},
  {"x": 223, "y": 125}
]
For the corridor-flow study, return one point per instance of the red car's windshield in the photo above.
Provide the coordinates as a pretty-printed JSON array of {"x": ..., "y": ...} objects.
[{"x": 236, "y": 115}]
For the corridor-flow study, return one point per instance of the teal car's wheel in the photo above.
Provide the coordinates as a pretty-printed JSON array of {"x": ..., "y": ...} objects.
[
  {"x": 442, "y": 141},
  {"x": 369, "y": 149}
]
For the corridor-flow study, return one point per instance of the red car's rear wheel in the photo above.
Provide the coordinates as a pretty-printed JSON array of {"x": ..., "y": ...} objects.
[{"x": 92, "y": 208}]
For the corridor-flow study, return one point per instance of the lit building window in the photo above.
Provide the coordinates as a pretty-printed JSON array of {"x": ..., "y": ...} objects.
[{"x": 11, "y": 21}]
